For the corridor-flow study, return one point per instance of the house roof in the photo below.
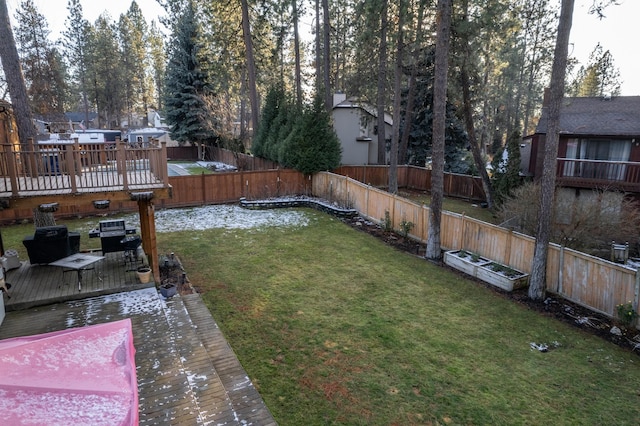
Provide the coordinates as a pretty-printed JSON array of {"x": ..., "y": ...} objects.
[
  {"x": 369, "y": 109},
  {"x": 77, "y": 117},
  {"x": 616, "y": 116}
]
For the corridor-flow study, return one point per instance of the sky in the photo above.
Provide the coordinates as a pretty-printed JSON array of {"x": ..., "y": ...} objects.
[{"x": 614, "y": 32}]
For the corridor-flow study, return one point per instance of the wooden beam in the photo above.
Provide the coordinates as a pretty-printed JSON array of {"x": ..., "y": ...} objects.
[{"x": 82, "y": 198}]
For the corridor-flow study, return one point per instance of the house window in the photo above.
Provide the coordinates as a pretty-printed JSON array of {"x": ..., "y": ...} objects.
[{"x": 603, "y": 158}]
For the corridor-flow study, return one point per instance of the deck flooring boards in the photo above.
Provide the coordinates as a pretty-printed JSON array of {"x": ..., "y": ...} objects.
[{"x": 179, "y": 382}]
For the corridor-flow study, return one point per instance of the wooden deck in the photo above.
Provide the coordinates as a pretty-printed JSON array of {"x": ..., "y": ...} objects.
[
  {"x": 36, "y": 285},
  {"x": 187, "y": 373}
]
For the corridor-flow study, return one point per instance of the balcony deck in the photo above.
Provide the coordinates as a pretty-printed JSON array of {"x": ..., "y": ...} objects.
[
  {"x": 55, "y": 168},
  {"x": 599, "y": 174}
]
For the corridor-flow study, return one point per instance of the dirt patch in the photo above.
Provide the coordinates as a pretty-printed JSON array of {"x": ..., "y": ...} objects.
[{"x": 553, "y": 306}]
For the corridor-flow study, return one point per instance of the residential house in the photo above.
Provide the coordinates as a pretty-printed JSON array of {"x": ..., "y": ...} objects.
[
  {"x": 356, "y": 125},
  {"x": 599, "y": 146}
]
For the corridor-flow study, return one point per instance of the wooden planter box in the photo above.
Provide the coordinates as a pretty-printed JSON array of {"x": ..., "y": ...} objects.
[
  {"x": 482, "y": 268},
  {"x": 464, "y": 261},
  {"x": 505, "y": 278}
]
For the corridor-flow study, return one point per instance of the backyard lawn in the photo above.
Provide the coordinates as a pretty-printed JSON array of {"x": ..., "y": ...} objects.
[{"x": 334, "y": 327}]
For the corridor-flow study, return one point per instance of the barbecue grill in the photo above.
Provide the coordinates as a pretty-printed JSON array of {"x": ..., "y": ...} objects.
[{"x": 111, "y": 234}]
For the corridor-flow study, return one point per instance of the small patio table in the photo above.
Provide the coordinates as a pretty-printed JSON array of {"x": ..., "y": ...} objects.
[{"x": 78, "y": 262}]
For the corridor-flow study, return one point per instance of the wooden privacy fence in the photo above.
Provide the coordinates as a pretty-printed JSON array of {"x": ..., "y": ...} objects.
[
  {"x": 584, "y": 279},
  {"x": 196, "y": 190},
  {"x": 241, "y": 161},
  {"x": 221, "y": 188},
  {"x": 419, "y": 178}
]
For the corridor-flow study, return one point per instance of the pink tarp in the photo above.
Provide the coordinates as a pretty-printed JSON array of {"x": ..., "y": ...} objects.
[{"x": 80, "y": 376}]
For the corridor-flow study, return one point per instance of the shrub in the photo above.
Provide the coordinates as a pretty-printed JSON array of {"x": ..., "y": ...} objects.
[{"x": 626, "y": 313}]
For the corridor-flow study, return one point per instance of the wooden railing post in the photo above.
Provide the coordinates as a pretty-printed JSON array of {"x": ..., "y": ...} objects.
[
  {"x": 13, "y": 170},
  {"x": 121, "y": 163},
  {"x": 164, "y": 173}
]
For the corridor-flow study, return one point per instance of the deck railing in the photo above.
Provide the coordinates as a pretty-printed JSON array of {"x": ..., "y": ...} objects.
[
  {"x": 73, "y": 167},
  {"x": 623, "y": 175}
]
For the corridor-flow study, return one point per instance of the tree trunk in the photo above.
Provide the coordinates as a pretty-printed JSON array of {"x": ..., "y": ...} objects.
[
  {"x": 318, "y": 50},
  {"x": 328, "y": 98},
  {"x": 296, "y": 43},
  {"x": 41, "y": 219},
  {"x": 411, "y": 95},
  {"x": 471, "y": 132},
  {"x": 537, "y": 281},
  {"x": 382, "y": 79},
  {"x": 443, "y": 23},
  {"x": 395, "y": 136},
  {"x": 468, "y": 113},
  {"x": 15, "y": 79},
  {"x": 251, "y": 67}
]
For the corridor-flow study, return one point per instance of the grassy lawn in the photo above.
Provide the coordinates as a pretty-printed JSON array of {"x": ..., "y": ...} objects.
[{"x": 334, "y": 327}]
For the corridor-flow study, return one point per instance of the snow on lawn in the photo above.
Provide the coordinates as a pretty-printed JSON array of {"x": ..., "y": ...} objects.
[{"x": 221, "y": 216}]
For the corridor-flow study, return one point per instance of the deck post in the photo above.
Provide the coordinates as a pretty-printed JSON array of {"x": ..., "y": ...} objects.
[{"x": 148, "y": 231}]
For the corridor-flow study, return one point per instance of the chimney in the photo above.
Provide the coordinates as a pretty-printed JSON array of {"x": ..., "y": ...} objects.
[
  {"x": 339, "y": 97},
  {"x": 545, "y": 97}
]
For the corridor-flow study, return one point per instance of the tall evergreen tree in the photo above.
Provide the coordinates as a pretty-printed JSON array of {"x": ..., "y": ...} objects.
[
  {"x": 599, "y": 77},
  {"x": 158, "y": 60},
  {"x": 75, "y": 43},
  {"x": 39, "y": 61},
  {"x": 186, "y": 84},
  {"x": 105, "y": 73},
  {"x": 313, "y": 145}
]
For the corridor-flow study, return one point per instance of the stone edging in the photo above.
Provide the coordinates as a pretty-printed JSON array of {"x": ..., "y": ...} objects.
[{"x": 298, "y": 202}]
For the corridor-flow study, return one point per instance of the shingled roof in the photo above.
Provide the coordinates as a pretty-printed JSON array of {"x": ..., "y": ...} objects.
[{"x": 616, "y": 116}]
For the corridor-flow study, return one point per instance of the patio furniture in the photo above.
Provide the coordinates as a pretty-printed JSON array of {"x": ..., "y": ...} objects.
[
  {"x": 78, "y": 262},
  {"x": 51, "y": 243}
]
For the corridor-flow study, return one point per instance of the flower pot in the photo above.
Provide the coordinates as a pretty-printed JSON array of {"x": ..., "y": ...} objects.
[
  {"x": 168, "y": 290},
  {"x": 144, "y": 274}
]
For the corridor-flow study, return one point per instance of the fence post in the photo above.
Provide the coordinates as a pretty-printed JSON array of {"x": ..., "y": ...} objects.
[
  {"x": 461, "y": 245},
  {"x": 561, "y": 270},
  {"x": 507, "y": 249},
  {"x": 636, "y": 293}
]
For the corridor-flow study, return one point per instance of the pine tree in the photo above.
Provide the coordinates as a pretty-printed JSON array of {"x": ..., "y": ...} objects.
[
  {"x": 186, "y": 83},
  {"x": 75, "y": 43},
  {"x": 39, "y": 61},
  {"x": 506, "y": 174}
]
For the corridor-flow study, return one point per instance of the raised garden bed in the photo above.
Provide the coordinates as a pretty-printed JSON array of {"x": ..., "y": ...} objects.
[
  {"x": 502, "y": 276},
  {"x": 464, "y": 261},
  {"x": 486, "y": 270},
  {"x": 299, "y": 202}
]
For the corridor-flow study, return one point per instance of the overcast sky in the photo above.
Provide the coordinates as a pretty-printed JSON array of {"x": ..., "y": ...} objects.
[{"x": 615, "y": 32}]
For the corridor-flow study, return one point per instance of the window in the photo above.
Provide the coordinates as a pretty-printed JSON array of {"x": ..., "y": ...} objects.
[{"x": 604, "y": 158}]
